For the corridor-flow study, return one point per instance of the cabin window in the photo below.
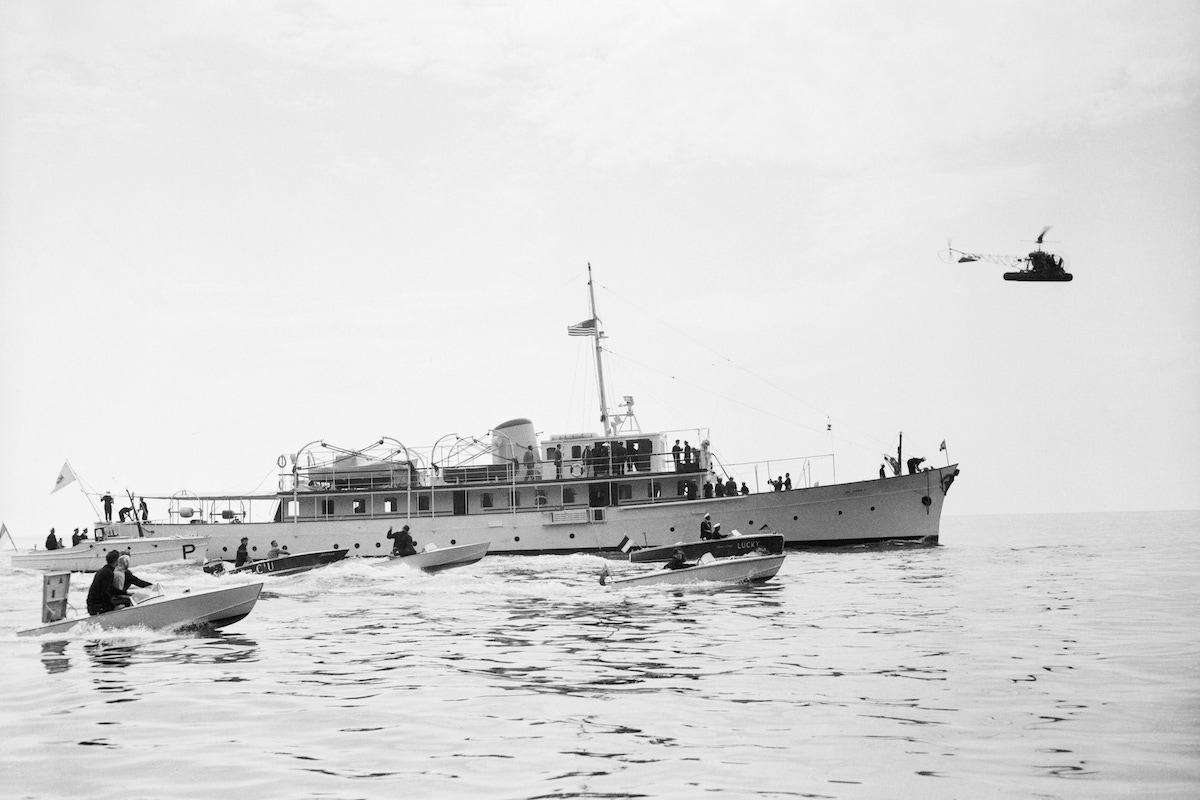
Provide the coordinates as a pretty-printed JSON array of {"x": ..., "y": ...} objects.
[
  {"x": 326, "y": 505},
  {"x": 539, "y": 497},
  {"x": 389, "y": 505},
  {"x": 568, "y": 495},
  {"x": 624, "y": 491},
  {"x": 359, "y": 505},
  {"x": 292, "y": 508},
  {"x": 653, "y": 490},
  {"x": 485, "y": 500},
  {"x": 422, "y": 502}
]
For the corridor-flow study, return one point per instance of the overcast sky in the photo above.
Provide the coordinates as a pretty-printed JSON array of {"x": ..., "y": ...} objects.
[{"x": 230, "y": 228}]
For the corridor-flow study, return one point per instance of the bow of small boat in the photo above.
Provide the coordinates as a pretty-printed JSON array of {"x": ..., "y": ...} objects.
[
  {"x": 444, "y": 557},
  {"x": 746, "y": 569}
]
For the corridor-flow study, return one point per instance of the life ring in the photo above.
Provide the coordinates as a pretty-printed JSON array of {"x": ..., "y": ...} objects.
[
  {"x": 576, "y": 470},
  {"x": 281, "y": 461}
]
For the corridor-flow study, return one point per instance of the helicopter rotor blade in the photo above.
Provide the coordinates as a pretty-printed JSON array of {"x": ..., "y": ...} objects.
[{"x": 1041, "y": 235}]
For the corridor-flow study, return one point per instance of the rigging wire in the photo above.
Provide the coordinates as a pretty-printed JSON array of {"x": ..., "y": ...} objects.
[{"x": 730, "y": 361}]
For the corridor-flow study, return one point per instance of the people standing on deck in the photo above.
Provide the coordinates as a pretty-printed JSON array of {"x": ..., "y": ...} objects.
[
  {"x": 142, "y": 508},
  {"x": 618, "y": 457},
  {"x": 914, "y": 465},
  {"x": 404, "y": 543},
  {"x": 676, "y": 452},
  {"x": 558, "y": 462},
  {"x": 706, "y": 528},
  {"x": 687, "y": 456},
  {"x": 243, "y": 552},
  {"x": 883, "y": 470},
  {"x": 745, "y": 488},
  {"x": 125, "y": 514},
  {"x": 107, "y": 500},
  {"x": 731, "y": 487},
  {"x": 100, "y": 594},
  {"x": 75, "y": 538},
  {"x": 719, "y": 488},
  {"x": 52, "y": 541},
  {"x": 530, "y": 458},
  {"x": 787, "y": 481}
]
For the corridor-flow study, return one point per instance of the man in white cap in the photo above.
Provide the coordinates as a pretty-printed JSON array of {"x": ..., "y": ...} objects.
[{"x": 706, "y": 529}]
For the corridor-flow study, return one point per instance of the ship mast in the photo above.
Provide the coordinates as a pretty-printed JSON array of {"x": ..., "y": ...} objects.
[{"x": 599, "y": 363}]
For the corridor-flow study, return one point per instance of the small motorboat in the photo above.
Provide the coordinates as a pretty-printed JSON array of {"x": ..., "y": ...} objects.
[
  {"x": 214, "y": 607},
  {"x": 433, "y": 559},
  {"x": 89, "y": 555},
  {"x": 735, "y": 544},
  {"x": 287, "y": 564},
  {"x": 739, "y": 569}
]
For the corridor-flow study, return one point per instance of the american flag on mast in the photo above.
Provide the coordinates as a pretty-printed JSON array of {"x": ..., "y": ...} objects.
[{"x": 589, "y": 327}]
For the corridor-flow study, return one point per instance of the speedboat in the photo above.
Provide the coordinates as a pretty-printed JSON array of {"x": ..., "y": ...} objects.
[
  {"x": 736, "y": 544},
  {"x": 434, "y": 559},
  {"x": 743, "y": 569},
  {"x": 214, "y": 607},
  {"x": 288, "y": 564}
]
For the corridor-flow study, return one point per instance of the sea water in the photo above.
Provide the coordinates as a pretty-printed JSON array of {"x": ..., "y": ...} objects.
[{"x": 1023, "y": 657}]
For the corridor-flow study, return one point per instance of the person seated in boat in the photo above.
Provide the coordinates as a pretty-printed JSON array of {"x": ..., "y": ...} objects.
[
  {"x": 716, "y": 532},
  {"x": 75, "y": 538},
  {"x": 123, "y": 579},
  {"x": 101, "y": 592},
  {"x": 677, "y": 560},
  {"x": 51, "y": 540},
  {"x": 243, "y": 553},
  {"x": 276, "y": 551},
  {"x": 404, "y": 545},
  {"x": 706, "y": 527}
]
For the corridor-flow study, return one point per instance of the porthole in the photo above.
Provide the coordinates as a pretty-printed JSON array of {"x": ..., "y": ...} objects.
[
  {"x": 378, "y": 544},
  {"x": 872, "y": 508},
  {"x": 356, "y": 545},
  {"x": 839, "y": 513},
  {"x": 795, "y": 518},
  {"x": 672, "y": 529},
  {"x": 572, "y": 536},
  {"x": 453, "y": 541},
  {"x": 751, "y": 522}
]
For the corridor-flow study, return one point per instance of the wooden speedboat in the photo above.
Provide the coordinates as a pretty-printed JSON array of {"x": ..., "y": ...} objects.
[
  {"x": 288, "y": 564},
  {"x": 433, "y": 559},
  {"x": 89, "y": 555},
  {"x": 729, "y": 547},
  {"x": 744, "y": 569},
  {"x": 215, "y": 607}
]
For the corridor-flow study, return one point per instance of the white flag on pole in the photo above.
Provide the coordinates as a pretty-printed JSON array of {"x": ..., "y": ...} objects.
[
  {"x": 4, "y": 534},
  {"x": 65, "y": 476}
]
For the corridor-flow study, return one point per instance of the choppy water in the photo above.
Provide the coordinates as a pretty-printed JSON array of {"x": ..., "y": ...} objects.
[{"x": 1025, "y": 657}]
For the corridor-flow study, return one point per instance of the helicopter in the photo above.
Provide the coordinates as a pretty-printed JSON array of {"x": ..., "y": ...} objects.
[{"x": 1037, "y": 266}]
